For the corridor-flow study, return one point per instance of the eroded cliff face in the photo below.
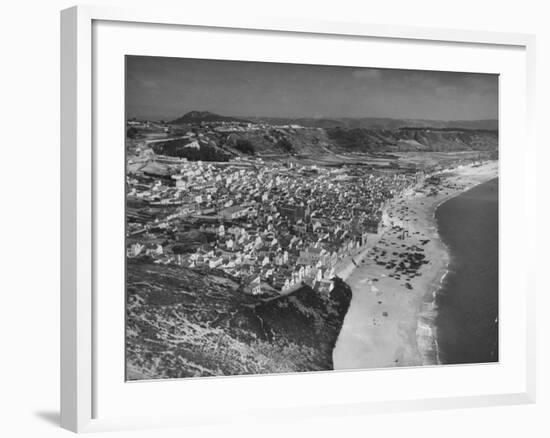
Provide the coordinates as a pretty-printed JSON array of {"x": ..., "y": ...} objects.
[{"x": 184, "y": 323}]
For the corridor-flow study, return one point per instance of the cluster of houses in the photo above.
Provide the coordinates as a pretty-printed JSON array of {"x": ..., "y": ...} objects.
[
  {"x": 225, "y": 127},
  {"x": 273, "y": 227}
]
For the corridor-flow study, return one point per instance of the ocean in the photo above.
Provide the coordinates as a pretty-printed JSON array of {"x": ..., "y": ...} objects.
[{"x": 467, "y": 303}]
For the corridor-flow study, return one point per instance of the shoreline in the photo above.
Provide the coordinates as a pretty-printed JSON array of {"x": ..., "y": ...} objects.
[{"x": 390, "y": 321}]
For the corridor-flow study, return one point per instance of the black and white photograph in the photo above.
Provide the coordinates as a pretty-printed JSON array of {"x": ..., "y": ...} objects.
[
  {"x": 285, "y": 218},
  {"x": 288, "y": 219}
]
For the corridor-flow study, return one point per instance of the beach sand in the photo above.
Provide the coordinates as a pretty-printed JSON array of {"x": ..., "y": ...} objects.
[{"x": 395, "y": 280}]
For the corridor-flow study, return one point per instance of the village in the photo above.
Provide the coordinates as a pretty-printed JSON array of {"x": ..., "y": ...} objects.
[
  {"x": 286, "y": 218},
  {"x": 274, "y": 227}
]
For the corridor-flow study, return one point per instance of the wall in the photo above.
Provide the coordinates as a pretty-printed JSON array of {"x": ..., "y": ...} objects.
[{"x": 29, "y": 106}]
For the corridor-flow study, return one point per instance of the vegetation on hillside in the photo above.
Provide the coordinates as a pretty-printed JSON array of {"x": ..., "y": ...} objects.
[
  {"x": 285, "y": 145},
  {"x": 181, "y": 148},
  {"x": 131, "y": 133},
  {"x": 183, "y": 323},
  {"x": 245, "y": 146}
]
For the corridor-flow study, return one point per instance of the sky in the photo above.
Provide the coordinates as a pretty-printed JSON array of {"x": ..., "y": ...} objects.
[{"x": 166, "y": 88}]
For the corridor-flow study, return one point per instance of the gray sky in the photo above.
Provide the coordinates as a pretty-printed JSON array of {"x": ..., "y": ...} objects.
[{"x": 165, "y": 88}]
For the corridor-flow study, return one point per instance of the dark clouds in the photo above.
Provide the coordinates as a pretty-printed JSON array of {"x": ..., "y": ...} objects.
[{"x": 168, "y": 87}]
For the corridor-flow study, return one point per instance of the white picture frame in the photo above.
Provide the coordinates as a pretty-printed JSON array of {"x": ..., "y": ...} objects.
[{"x": 79, "y": 169}]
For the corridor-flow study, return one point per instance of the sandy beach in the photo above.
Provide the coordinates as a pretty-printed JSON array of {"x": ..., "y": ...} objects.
[{"x": 395, "y": 279}]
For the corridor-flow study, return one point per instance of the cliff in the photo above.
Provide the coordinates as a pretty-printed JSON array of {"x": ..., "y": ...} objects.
[{"x": 184, "y": 323}]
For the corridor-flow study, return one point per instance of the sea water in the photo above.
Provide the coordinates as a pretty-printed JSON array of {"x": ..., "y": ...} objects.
[{"x": 466, "y": 320}]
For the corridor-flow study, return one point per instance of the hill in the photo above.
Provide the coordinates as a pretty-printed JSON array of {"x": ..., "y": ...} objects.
[
  {"x": 277, "y": 141},
  {"x": 197, "y": 117},
  {"x": 204, "y": 139},
  {"x": 313, "y": 141},
  {"x": 412, "y": 139}
]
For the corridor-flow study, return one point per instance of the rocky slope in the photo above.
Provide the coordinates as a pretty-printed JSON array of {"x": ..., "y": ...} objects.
[{"x": 182, "y": 323}]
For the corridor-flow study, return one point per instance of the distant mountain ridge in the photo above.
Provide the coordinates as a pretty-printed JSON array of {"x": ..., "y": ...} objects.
[
  {"x": 381, "y": 123},
  {"x": 343, "y": 122}
]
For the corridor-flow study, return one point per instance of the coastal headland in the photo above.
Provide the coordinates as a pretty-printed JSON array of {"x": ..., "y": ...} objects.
[{"x": 394, "y": 282}]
